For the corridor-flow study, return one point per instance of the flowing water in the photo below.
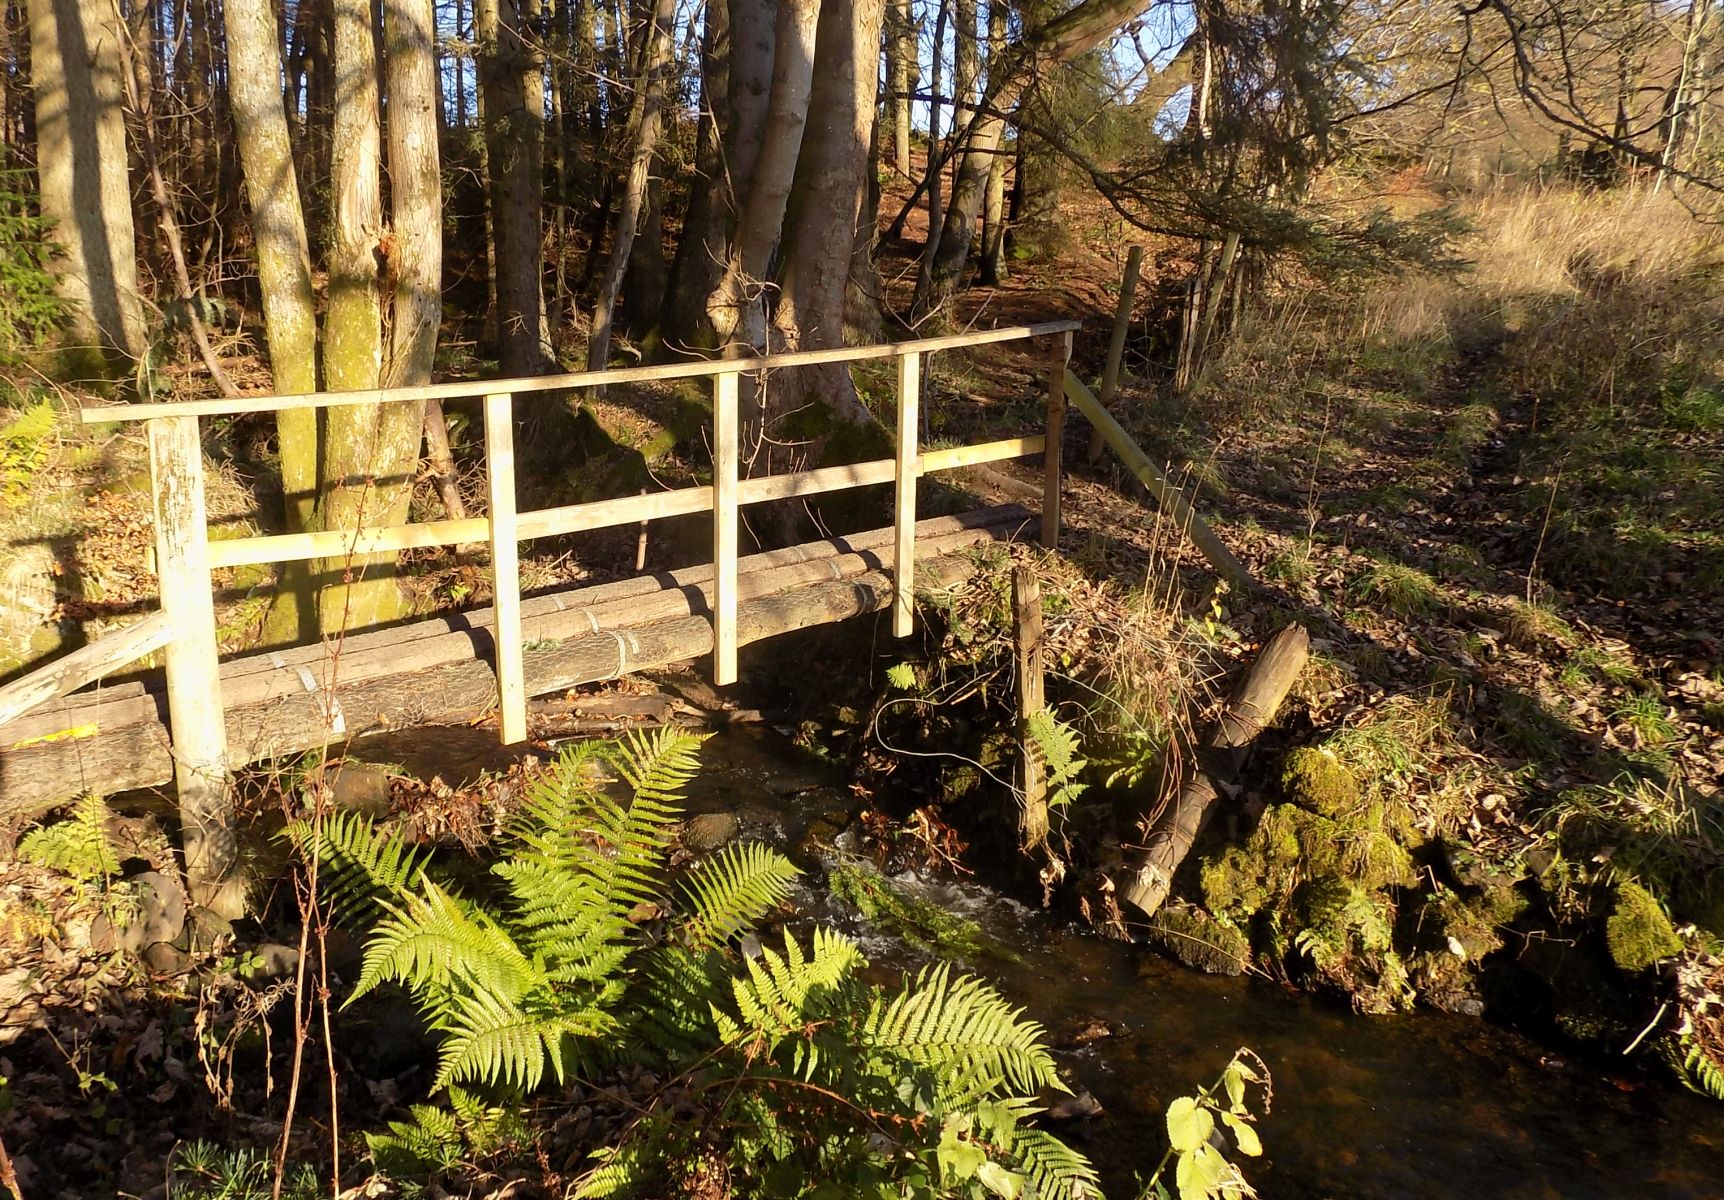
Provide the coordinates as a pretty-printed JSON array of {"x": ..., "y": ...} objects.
[{"x": 1424, "y": 1105}]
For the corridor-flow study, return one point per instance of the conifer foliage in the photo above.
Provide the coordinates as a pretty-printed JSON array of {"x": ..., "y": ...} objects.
[{"x": 783, "y": 1073}]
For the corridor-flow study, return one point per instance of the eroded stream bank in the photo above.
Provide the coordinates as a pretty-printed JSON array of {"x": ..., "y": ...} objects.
[{"x": 1422, "y": 1105}]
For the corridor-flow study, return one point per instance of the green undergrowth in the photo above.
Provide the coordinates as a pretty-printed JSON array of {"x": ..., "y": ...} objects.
[{"x": 919, "y": 923}]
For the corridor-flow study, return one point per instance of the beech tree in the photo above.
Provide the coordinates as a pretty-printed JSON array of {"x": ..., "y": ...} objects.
[{"x": 77, "y": 54}]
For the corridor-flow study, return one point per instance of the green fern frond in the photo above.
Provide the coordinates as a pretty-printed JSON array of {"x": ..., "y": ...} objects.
[
  {"x": 732, "y": 890},
  {"x": 1057, "y": 743},
  {"x": 964, "y": 1028},
  {"x": 492, "y": 1040},
  {"x": 78, "y": 845},
  {"x": 1695, "y": 1068},
  {"x": 431, "y": 1141},
  {"x": 433, "y": 942},
  {"x": 1052, "y": 1169},
  {"x": 776, "y": 996},
  {"x": 622, "y": 1170},
  {"x": 659, "y": 765},
  {"x": 361, "y": 869}
]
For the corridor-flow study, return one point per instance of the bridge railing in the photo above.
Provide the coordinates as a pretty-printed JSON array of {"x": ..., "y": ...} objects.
[{"x": 185, "y": 555}]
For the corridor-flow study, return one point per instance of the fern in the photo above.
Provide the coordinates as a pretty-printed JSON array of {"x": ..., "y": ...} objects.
[
  {"x": 361, "y": 869},
  {"x": 1057, "y": 743},
  {"x": 731, "y": 891},
  {"x": 1694, "y": 1067},
  {"x": 78, "y": 846},
  {"x": 962, "y": 1029},
  {"x": 431, "y": 1141}
]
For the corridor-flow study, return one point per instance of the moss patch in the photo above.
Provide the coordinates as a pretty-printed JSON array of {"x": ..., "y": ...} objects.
[
  {"x": 1638, "y": 933},
  {"x": 1198, "y": 940}
]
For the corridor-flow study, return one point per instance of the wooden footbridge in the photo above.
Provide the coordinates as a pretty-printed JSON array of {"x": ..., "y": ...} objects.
[{"x": 201, "y": 718}]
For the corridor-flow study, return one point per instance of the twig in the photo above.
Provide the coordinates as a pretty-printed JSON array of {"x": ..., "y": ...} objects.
[{"x": 8, "y": 1176}]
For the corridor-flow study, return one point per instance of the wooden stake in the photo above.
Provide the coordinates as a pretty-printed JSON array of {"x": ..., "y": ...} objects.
[
  {"x": 1171, "y": 499},
  {"x": 724, "y": 522},
  {"x": 505, "y": 566},
  {"x": 904, "y": 496},
  {"x": 213, "y": 877},
  {"x": 1052, "y": 455},
  {"x": 1116, "y": 343},
  {"x": 1027, "y": 620},
  {"x": 1150, "y": 876}
]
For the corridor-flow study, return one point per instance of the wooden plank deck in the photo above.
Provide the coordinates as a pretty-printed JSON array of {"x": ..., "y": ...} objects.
[{"x": 441, "y": 670}]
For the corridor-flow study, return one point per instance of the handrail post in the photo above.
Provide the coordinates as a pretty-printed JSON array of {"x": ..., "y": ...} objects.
[
  {"x": 195, "y": 718},
  {"x": 505, "y": 566},
  {"x": 904, "y": 495},
  {"x": 1051, "y": 457},
  {"x": 725, "y": 457}
]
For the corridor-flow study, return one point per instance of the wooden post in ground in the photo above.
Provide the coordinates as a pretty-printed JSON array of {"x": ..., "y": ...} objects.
[
  {"x": 1149, "y": 877},
  {"x": 1116, "y": 343},
  {"x": 725, "y": 456},
  {"x": 505, "y": 566},
  {"x": 1027, "y": 625},
  {"x": 1171, "y": 498},
  {"x": 1052, "y": 456},
  {"x": 904, "y": 496},
  {"x": 195, "y": 722}
]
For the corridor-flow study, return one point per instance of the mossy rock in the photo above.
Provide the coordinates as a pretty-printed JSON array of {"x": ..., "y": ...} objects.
[
  {"x": 1199, "y": 941},
  {"x": 1638, "y": 932},
  {"x": 1233, "y": 883},
  {"x": 1318, "y": 780}
]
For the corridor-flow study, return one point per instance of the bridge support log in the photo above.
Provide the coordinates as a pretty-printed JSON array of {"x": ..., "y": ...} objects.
[{"x": 439, "y": 670}]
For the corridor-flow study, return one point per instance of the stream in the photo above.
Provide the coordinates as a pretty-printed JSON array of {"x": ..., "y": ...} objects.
[{"x": 1422, "y": 1105}]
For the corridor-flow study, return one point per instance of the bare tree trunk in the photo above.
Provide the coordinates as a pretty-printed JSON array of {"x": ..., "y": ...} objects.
[
  {"x": 936, "y": 161},
  {"x": 831, "y": 182},
  {"x": 357, "y": 483},
  {"x": 76, "y": 54},
  {"x": 138, "y": 94},
  {"x": 901, "y": 60},
  {"x": 510, "y": 79},
  {"x": 700, "y": 252},
  {"x": 737, "y": 306},
  {"x": 993, "y": 270},
  {"x": 644, "y": 123},
  {"x": 416, "y": 209},
  {"x": 1060, "y": 40},
  {"x": 278, "y": 227}
]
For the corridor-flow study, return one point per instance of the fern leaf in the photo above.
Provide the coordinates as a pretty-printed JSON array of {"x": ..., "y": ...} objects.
[
  {"x": 658, "y": 765},
  {"x": 432, "y": 944},
  {"x": 732, "y": 890},
  {"x": 78, "y": 845},
  {"x": 495, "y": 1041},
  {"x": 1054, "y": 1170},
  {"x": 361, "y": 869},
  {"x": 963, "y": 1028}
]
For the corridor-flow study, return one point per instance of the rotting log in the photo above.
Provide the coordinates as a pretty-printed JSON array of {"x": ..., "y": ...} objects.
[
  {"x": 1171, "y": 498},
  {"x": 439, "y": 673},
  {"x": 1252, "y": 707}
]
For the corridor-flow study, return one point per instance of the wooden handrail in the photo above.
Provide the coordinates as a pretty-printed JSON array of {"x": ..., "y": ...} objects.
[
  {"x": 1170, "y": 497},
  {"x": 108, "y": 413}
]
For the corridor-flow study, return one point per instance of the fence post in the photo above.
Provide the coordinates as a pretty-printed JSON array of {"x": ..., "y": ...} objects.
[
  {"x": 724, "y": 521},
  {"x": 904, "y": 495},
  {"x": 1116, "y": 343},
  {"x": 505, "y": 567},
  {"x": 1051, "y": 457},
  {"x": 195, "y": 717}
]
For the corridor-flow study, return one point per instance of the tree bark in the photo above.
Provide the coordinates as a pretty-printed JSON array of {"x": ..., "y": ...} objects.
[
  {"x": 993, "y": 270},
  {"x": 416, "y": 207},
  {"x": 510, "y": 80},
  {"x": 737, "y": 306},
  {"x": 76, "y": 56},
  {"x": 901, "y": 66},
  {"x": 700, "y": 251},
  {"x": 831, "y": 185},
  {"x": 644, "y": 123}
]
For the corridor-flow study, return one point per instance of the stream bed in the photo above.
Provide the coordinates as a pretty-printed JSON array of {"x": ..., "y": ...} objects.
[{"x": 1421, "y": 1105}]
